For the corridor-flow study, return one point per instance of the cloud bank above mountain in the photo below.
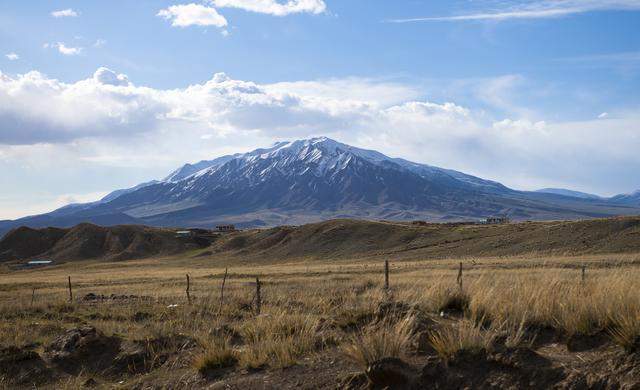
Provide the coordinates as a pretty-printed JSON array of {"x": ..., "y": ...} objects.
[{"x": 107, "y": 119}]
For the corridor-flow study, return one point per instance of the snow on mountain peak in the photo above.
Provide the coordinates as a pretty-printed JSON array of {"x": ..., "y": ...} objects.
[{"x": 320, "y": 156}]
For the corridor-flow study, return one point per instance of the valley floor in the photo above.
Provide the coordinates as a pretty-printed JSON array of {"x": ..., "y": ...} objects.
[{"x": 527, "y": 322}]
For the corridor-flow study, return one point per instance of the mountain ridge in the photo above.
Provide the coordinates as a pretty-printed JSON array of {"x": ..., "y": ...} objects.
[{"x": 310, "y": 180}]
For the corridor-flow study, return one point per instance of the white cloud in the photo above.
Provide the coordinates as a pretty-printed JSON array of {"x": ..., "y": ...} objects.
[
  {"x": 12, "y": 56},
  {"x": 64, "y": 13},
  {"x": 537, "y": 9},
  {"x": 603, "y": 115},
  {"x": 99, "y": 43},
  {"x": 184, "y": 15},
  {"x": 64, "y": 49},
  {"x": 273, "y": 7},
  {"x": 107, "y": 120},
  {"x": 108, "y": 77},
  {"x": 44, "y": 203}
]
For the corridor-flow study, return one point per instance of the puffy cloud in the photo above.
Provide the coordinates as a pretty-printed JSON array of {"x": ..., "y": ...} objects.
[
  {"x": 12, "y": 56},
  {"x": 184, "y": 15},
  {"x": 34, "y": 108},
  {"x": 64, "y": 13},
  {"x": 107, "y": 120},
  {"x": 107, "y": 76},
  {"x": 64, "y": 49},
  {"x": 273, "y": 7}
]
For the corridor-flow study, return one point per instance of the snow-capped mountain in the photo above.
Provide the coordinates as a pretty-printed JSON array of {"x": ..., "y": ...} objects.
[{"x": 319, "y": 178}]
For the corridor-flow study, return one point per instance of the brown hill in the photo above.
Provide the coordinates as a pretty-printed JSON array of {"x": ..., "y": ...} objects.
[
  {"x": 87, "y": 241},
  {"x": 25, "y": 242},
  {"x": 351, "y": 238},
  {"x": 333, "y": 239}
]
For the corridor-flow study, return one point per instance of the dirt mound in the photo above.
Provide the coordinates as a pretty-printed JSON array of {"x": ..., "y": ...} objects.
[
  {"x": 353, "y": 238},
  {"x": 144, "y": 355},
  {"x": 519, "y": 368},
  {"x": 22, "y": 367},
  {"x": 83, "y": 349},
  {"x": 86, "y": 241},
  {"x": 86, "y": 349}
]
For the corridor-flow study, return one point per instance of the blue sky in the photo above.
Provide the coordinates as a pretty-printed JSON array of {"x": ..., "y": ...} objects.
[{"x": 97, "y": 95}]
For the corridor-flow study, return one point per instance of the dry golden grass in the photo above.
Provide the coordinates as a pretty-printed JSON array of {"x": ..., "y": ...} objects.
[
  {"x": 218, "y": 353},
  {"x": 383, "y": 339},
  {"x": 311, "y": 306},
  {"x": 461, "y": 336}
]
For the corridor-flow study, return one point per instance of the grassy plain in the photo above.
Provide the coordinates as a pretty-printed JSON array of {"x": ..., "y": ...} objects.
[{"x": 322, "y": 323}]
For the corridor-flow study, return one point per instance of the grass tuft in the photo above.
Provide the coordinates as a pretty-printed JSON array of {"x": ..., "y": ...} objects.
[
  {"x": 217, "y": 354},
  {"x": 463, "y": 336},
  {"x": 383, "y": 339}
]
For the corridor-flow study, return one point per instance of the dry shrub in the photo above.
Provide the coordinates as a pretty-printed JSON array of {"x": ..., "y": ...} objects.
[
  {"x": 278, "y": 339},
  {"x": 625, "y": 330},
  {"x": 217, "y": 354},
  {"x": 463, "y": 336},
  {"x": 380, "y": 340},
  {"x": 450, "y": 299}
]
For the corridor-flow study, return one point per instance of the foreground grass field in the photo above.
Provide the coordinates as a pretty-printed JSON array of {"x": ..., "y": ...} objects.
[{"x": 528, "y": 322}]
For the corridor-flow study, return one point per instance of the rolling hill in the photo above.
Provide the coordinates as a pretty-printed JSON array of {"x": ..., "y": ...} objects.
[{"x": 331, "y": 240}]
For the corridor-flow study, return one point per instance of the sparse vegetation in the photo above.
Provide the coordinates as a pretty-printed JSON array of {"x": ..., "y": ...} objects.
[{"x": 315, "y": 315}]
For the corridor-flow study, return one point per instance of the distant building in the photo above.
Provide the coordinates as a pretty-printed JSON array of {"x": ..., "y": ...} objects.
[
  {"x": 494, "y": 220},
  {"x": 184, "y": 233},
  {"x": 39, "y": 263},
  {"x": 226, "y": 228}
]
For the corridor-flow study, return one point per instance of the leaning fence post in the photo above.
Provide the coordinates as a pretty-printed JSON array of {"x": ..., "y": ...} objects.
[
  {"x": 459, "y": 279},
  {"x": 187, "y": 291},
  {"x": 258, "y": 298},
  {"x": 584, "y": 273},
  {"x": 70, "y": 292},
  {"x": 224, "y": 280},
  {"x": 33, "y": 296},
  {"x": 386, "y": 274}
]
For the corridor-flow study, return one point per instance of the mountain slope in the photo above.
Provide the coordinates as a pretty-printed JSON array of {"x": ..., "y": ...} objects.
[
  {"x": 565, "y": 192},
  {"x": 632, "y": 199},
  {"x": 316, "y": 179}
]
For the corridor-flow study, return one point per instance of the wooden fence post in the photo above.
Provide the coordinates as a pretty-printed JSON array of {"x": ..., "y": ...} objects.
[
  {"x": 386, "y": 274},
  {"x": 33, "y": 296},
  {"x": 187, "y": 291},
  {"x": 70, "y": 292},
  {"x": 459, "y": 279},
  {"x": 258, "y": 298},
  {"x": 584, "y": 273},
  {"x": 224, "y": 280}
]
